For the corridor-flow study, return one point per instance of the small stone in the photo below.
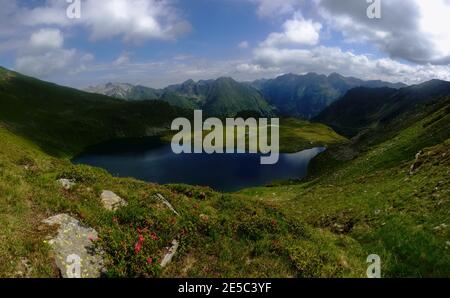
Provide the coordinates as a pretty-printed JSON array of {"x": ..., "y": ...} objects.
[
  {"x": 171, "y": 253},
  {"x": 204, "y": 217},
  {"x": 440, "y": 227},
  {"x": 111, "y": 201},
  {"x": 343, "y": 262},
  {"x": 66, "y": 183}
]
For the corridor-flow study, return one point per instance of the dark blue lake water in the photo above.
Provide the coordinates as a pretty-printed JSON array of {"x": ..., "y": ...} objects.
[{"x": 223, "y": 172}]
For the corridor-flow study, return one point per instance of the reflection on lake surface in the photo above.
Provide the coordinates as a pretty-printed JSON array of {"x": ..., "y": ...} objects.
[{"x": 225, "y": 172}]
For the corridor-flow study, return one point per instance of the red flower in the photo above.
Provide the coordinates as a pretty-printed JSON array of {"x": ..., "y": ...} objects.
[
  {"x": 154, "y": 236},
  {"x": 149, "y": 261},
  {"x": 138, "y": 246}
]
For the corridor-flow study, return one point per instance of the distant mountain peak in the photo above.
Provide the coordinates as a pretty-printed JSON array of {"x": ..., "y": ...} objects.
[
  {"x": 335, "y": 75},
  {"x": 124, "y": 91},
  {"x": 433, "y": 82},
  {"x": 225, "y": 79},
  {"x": 188, "y": 82},
  {"x": 313, "y": 74}
]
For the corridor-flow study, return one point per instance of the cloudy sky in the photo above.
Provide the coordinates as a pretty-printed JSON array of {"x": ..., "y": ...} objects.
[{"x": 161, "y": 42}]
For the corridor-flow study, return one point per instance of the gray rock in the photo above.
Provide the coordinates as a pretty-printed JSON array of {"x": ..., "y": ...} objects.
[
  {"x": 417, "y": 163},
  {"x": 170, "y": 254},
  {"x": 66, "y": 183},
  {"x": 111, "y": 201},
  {"x": 75, "y": 253}
]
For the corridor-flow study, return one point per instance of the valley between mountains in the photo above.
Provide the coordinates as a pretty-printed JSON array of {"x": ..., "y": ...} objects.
[{"x": 382, "y": 186}]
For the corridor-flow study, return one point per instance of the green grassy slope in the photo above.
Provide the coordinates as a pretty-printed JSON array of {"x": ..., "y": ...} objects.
[
  {"x": 297, "y": 135},
  {"x": 376, "y": 202}
]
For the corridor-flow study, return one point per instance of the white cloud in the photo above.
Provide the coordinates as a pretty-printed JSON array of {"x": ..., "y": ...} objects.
[
  {"x": 46, "y": 39},
  {"x": 296, "y": 31},
  {"x": 132, "y": 20},
  {"x": 124, "y": 58},
  {"x": 250, "y": 68},
  {"x": 36, "y": 34},
  {"x": 414, "y": 30},
  {"x": 52, "y": 63},
  {"x": 243, "y": 44},
  {"x": 45, "y": 56},
  {"x": 270, "y": 8}
]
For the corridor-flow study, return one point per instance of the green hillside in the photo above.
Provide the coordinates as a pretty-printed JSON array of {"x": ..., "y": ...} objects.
[
  {"x": 365, "y": 108},
  {"x": 227, "y": 97},
  {"x": 64, "y": 121}
]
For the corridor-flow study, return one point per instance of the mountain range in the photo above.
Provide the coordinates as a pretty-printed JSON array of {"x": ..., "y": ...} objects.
[
  {"x": 307, "y": 95},
  {"x": 223, "y": 97},
  {"x": 289, "y": 95}
]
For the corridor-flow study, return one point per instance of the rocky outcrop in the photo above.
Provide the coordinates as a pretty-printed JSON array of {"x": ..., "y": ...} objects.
[
  {"x": 111, "y": 201},
  {"x": 75, "y": 253}
]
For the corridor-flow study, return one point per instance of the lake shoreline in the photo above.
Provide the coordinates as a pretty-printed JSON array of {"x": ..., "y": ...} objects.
[{"x": 151, "y": 160}]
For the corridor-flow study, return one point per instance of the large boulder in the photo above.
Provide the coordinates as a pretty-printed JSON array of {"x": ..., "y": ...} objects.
[{"x": 75, "y": 253}]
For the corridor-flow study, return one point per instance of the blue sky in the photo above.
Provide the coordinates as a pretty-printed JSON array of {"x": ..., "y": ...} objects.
[{"x": 161, "y": 42}]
